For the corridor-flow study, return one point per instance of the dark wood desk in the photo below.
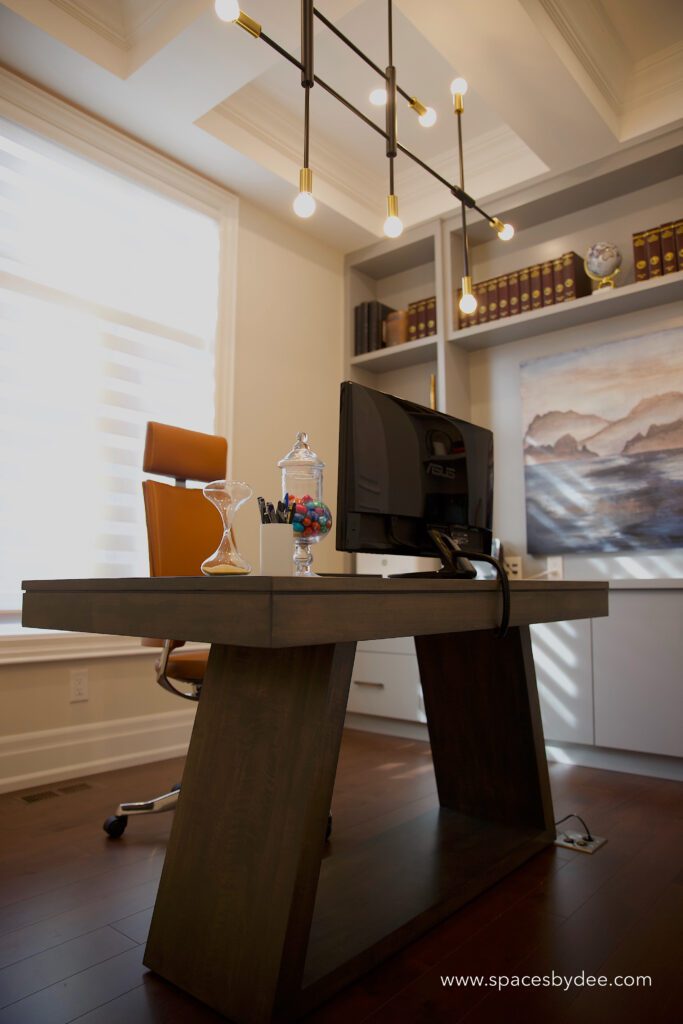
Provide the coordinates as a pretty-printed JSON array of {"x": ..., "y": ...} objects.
[{"x": 249, "y": 917}]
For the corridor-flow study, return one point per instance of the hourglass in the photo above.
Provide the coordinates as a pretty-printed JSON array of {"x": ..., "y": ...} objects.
[{"x": 227, "y": 496}]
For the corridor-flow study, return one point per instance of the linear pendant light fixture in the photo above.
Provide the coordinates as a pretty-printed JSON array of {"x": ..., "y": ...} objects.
[{"x": 304, "y": 204}]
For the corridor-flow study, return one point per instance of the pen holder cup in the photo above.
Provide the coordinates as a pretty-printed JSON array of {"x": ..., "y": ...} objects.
[{"x": 277, "y": 549}]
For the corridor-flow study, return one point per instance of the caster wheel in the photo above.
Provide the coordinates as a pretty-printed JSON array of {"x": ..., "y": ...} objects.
[
  {"x": 116, "y": 825},
  {"x": 328, "y": 830},
  {"x": 176, "y": 788}
]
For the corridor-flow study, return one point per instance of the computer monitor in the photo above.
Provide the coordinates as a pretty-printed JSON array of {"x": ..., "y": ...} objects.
[{"x": 406, "y": 470}]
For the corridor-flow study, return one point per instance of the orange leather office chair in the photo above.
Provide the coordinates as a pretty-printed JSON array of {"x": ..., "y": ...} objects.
[{"x": 183, "y": 528}]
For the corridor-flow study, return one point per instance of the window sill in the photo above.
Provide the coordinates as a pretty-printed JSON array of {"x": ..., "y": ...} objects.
[{"x": 26, "y": 646}]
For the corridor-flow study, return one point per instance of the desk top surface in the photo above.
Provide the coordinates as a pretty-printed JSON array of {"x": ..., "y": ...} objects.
[{"x": 266, "y": 611}]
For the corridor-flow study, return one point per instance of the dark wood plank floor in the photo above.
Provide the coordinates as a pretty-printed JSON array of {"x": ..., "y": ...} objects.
[{"x": 75, "y": 907}]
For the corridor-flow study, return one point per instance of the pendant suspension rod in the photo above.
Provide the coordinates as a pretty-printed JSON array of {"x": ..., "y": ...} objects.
[
  {"x": 306, "y": 122},
  {"x": 453, "y": 189},
  {"x": 390, "y": 25},
  {"x": 463, "y": 208}
]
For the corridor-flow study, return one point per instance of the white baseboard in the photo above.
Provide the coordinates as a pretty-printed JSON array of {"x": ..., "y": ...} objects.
[
  {"x": 35, "y": 758},
  {"x": 632, "y": 762}
]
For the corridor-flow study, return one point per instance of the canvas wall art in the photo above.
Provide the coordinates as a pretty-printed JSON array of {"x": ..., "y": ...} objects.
[{"x": 603, "y": 447}]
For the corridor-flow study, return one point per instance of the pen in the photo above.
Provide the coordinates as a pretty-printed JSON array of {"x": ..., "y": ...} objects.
[{"x": 262, "y": 509}]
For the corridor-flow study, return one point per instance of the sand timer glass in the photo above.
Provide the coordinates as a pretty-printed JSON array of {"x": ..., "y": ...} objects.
[
  {"x": 302, "y": 487},
  {"x": 227, "y": 496}
]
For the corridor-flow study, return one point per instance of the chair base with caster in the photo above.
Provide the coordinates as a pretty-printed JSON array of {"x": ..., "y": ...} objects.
[{"x": 115, "y": 825}]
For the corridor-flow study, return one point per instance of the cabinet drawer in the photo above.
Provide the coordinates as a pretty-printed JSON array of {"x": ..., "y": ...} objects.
[{"x": 387, "y": 685}]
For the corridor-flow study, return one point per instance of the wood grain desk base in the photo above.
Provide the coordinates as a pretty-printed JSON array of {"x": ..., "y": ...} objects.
[{"x": 251, "y": 917}]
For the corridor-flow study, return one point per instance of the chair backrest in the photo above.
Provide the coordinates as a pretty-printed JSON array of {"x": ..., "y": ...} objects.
[{"x": 183, "y": 528}]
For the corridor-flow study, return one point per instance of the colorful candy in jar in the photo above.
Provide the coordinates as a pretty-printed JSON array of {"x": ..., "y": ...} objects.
[{"x": 311, "y": 518}]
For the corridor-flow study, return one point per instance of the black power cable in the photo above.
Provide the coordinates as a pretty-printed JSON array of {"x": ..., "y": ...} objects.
[{"x": 458, "y": 561}]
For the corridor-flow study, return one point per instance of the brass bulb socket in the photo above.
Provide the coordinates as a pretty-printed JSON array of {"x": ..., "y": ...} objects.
[
  {"x": 496, "y": 224},
  {"x": 305, "y": 179},
  {"x": 249, "y": 25},
  {"x": 458, "y": 103},
  {"x": 392, "y": 206},
  {"x": 418, "y": 107},
  {"x": 467, "y": 285}
]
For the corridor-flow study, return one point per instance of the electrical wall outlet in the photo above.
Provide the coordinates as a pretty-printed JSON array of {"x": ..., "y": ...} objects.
[
  {"x": 78, "y": 685},
  {"x": 555, "y": 567},
  {"x": 513, "y": 566}
]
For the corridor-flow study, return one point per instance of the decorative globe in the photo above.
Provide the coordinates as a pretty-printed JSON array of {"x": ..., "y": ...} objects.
[{"x": 602, "y": 262}]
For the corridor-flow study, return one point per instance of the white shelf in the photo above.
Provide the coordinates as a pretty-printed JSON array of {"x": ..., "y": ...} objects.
[
  {"x": 598, "y": 306},
  {"x": 410, "y": 353}
]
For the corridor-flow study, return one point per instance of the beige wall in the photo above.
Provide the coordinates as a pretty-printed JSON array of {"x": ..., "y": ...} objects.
[{"x": 288, "y": 365}]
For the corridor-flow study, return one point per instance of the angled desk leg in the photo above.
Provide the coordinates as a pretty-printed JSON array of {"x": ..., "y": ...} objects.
[
  {"x": 485, "y": 727},
  {"x": 236, "y": 897}
]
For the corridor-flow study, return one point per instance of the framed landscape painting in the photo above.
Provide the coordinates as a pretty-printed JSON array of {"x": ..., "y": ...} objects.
[{"x": 603, "y": 447}]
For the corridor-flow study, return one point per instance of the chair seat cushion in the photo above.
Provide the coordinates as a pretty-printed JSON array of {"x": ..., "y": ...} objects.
[{"x": 187, "y": 665}]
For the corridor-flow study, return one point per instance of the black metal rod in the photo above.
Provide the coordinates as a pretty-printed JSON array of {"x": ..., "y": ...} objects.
[
  {"x": 453, "y": 189},
  {"x": 307, "y": 102},
  {"x": 307, "y": 73},
  {"x": 390, "y": 26},
  {"x": 463, "y": 208},
  {"x": 391, "y": 119},
  {"x": 357, "y": 50}
]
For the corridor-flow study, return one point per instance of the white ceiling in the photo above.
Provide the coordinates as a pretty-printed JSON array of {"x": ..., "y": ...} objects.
[{"x": 554, "y": 85}]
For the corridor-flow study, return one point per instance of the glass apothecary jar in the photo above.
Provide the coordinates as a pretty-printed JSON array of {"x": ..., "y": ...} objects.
[{"x": 302, "y": 491}]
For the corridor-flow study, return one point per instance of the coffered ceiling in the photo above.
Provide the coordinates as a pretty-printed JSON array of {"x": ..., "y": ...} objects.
[{"x": 554, "y": 85}]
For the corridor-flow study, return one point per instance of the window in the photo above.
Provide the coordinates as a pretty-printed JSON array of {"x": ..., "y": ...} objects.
[{"x": 109, "y": 295}]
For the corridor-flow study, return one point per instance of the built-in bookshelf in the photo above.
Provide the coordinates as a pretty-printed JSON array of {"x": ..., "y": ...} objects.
[{"x": 608, "y": 202}]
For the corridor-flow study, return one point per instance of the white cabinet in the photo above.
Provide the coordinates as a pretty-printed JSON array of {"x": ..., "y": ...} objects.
[
  {"x": 638, "y": 672},
  {"x": 562, "y": 655},
  {"x": 386, "y": 680}
]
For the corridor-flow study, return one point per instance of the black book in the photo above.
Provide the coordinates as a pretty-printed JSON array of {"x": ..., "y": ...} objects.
[
  {"x": 377, "y": 313},
  {"x": 358, "y": 329}
]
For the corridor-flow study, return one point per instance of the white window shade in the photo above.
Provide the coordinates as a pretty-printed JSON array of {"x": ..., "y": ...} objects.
[{"x": 108, "y": 310}]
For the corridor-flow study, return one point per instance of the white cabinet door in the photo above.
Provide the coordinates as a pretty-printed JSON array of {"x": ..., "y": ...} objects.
[
  {"x": 562, "y": 655},
  {"x": 386, "y": 685},
  {"x": 638, "y": 672}
]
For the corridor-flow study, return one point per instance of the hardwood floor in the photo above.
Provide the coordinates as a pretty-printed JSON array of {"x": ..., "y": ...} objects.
[{"x": 75, "y": 907}]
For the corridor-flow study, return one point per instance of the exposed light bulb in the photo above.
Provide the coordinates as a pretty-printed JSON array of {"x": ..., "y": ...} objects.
[
  {"x": 393, "y": 227},
  {"x": 378, "y": 97},
  {"x": 428, "y": 118},
  {"x": 459, "y": 87},
  {"x": 506, "y": 233},
  {"x": 227, "y": 10},
  {"x": 468, "y": 304},
  {"x": 304, "y": 205}
]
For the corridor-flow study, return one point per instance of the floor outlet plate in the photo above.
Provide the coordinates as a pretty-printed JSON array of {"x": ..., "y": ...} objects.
[{"x": 578, "y": 841}]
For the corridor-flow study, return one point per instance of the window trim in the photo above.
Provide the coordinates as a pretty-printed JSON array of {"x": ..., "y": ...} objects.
[{"x": 40, "y": 111}]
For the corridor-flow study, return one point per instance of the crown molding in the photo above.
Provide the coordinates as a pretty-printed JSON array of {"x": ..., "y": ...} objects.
[
  {"x": 255, "y": 115},
  {"x": 90, "y": 18}
]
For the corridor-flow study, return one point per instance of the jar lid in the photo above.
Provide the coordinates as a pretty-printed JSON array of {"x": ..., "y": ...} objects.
[{"x": 301, "y": 454}]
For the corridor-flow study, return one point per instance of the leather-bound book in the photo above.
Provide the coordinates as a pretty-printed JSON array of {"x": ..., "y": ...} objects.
[
  {"x": 536, "y": 286},
  {"x": 558, "y": 280},
  {"x": 396, "y": 328},
  {"x": 358, "y": 329},
  {"x": 503, "y": 297},
  {"x": 653, "y": 252},
  {"x": 481, "y": 292},
  {"x": 678, "y": 235},
  {"x": 668, "y": 243},
  {"x": 422, "y": 318},
  {"x": 492, "y": 290},
  {"x": 412, "y": 321},
  {"x": 513, "y": 292},
  {"x": 577, "y": 283},
  {"x": 640, "y": 257},
  {"x": 431, "y": 316},
  {"x": 547, "y": 283},
  {"x": 524, "y": 290}
]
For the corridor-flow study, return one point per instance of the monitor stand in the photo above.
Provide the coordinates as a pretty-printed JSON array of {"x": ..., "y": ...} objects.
[{"x": 455, "y": 566}]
